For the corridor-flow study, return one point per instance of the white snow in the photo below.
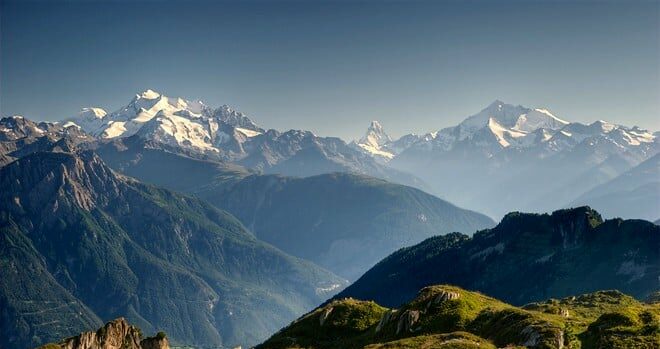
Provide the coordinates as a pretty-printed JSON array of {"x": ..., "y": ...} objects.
[
  {"x": 149, "y": 94},
  {"x": 502, "y": 133},
  {"x": 114, "y": 129},
  {"x": 70, "y": 124},
  {"x": 375, "y": 151},
  {"x": 548, "y": 113},
  {"x": 642, "y": 136},
  {"x": 604, "y": 125},
  {"x": 248, "y": 133},
  {"x": 375, "y": 142},
  {"x": 536, "y": 119},
  {"x": 93, "y": 112}
]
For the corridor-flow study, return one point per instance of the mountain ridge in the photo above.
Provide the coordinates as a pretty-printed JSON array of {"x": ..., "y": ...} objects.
[
  {"x": 445, "y": 316},
  {"x": 229, "y": 135},
  {"x": 525, "y": 258}
]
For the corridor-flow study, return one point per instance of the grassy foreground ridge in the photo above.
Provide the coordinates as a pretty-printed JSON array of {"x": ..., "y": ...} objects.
[{"x": 450, "y": 317}]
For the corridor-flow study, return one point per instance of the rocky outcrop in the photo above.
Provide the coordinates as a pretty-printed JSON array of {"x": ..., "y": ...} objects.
[
  {"x": 116, "y": 334},
  {"x": 158, "y": 342},
  {"x": 407, "y": 321},
  {"x": 385, "y": 319},
  {"x": 324, "y": 315}
]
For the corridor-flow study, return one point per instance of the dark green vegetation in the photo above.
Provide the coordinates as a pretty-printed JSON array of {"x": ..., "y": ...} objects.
[
  {"x": 525, "y": 258},
  {"x": 343, "y": 222},
  {"x": 80, "y": 243},
  {"x": 450, "y": 317}
]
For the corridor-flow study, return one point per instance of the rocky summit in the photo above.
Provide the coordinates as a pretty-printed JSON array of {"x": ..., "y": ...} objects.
[{"x": 116, "y": 334}]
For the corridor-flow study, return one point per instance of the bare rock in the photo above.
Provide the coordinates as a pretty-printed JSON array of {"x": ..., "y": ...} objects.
[
  {"x": 324, "y": 316},
  {"x": 116, "y": 334},
  {"x": 407, "y": 321},
  {"x": 385, "y": 319}
]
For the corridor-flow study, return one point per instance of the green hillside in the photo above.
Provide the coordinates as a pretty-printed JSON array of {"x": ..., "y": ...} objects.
[{"x": 450, "y": 317}]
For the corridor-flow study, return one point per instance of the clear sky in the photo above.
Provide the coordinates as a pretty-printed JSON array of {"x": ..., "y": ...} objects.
[{"x": 331, "y": 67}]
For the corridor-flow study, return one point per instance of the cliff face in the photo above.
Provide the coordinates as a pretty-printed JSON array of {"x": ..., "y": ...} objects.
[{"x": 116, "y": 334}]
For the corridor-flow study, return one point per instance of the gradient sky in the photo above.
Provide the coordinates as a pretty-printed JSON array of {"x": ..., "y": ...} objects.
[{"x": 331, "y": 67}]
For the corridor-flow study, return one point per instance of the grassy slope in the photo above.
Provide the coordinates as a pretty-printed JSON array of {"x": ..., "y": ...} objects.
[{"x": 604, "y": 319}]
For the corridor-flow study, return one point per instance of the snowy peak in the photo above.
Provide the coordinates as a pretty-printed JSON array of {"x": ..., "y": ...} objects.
[
  {"x": 376, "y": 142},
  {"x": 189, "y": 124},
  {"x": 148, "y": 94},
  {"x": 375, "y": 136},
  {"x": 92, "y": 113},
  {"x": 505, "y": 114},
  {"x": 536, "y": 119}
]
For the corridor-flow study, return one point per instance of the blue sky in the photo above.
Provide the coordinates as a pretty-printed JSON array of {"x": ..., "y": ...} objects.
[{"x": 331, "y": 67}]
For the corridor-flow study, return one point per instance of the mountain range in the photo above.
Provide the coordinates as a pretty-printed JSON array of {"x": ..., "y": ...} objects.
[
  {"x": 228, "y": 135},
  {"x": 508, "y": 158},
  {"x": 68, "y": 203},
  {"x": 196, "y": 221},
  {"x": 534, "y": 160},
  {"x": 344, "y": 222}
]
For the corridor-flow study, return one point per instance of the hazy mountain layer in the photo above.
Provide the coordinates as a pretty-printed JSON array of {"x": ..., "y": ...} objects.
[
  {"x": 510, "y": 158},
  {"x": 633, "y": 194},
  {"x": 343, "y": 222}
]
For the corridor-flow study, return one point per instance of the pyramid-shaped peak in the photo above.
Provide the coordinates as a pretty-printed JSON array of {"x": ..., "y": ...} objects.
[{"x": 375, "y": 135}]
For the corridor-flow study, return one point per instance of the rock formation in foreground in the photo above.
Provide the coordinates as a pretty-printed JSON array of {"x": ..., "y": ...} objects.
[{"x": 116, "y": 334}]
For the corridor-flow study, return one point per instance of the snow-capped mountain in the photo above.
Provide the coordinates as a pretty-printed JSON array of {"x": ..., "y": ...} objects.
[
  {"x": 375, "y": 142},
  {"x": 503, "y": 158},
  {"x": 501, "y": 128},
  {"x": 382, "y": 147},
  {"x": 172, "y": 121},
  {"x": 509, "y": 157},
  {"x": 229, "y": 135}
]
